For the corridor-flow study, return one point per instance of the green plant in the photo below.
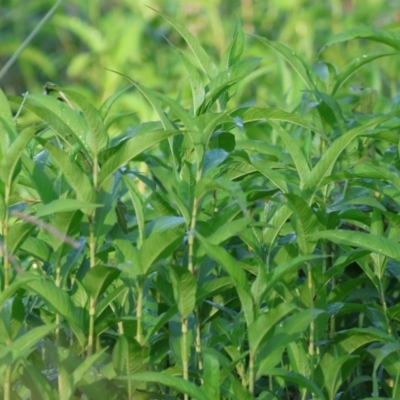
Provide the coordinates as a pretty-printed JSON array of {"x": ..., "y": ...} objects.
[{"x": 218, "y": 252}]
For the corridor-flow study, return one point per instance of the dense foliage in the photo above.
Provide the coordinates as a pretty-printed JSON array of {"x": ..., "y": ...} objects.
[{"x": 225, "y": 250}]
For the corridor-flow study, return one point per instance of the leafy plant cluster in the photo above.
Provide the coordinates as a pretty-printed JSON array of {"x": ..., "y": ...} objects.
[{"x": 217, "y": 253}]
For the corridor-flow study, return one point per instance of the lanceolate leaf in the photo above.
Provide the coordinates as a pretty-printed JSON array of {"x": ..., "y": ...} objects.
[
  {"x": 138, "y": 205},
  {"x": 309, "y": 77},
  {"x": 158, "y": 245},
  {"x": 184, "y": 286},
  {"x": 98, "y": 278},
  {"x": 58, "y": 300},
  {"x": 235, "y": 49},
  {"x": 13, "y": 154},
  {"x": 304, "y": 222},
  {"x": 19, "y": 282},
  {"x": 258, "y": 114},
  {"x": 196, "y": 83},
  {"x": 67, "y": 123},
  {"x": 377, "y": 244},
  {"x": 389, "y": 38},
  {"x": 327, "y": 162},
  {"x": 78, "y": 180},
  {"x": 235, "y": 271},
  {"x": 64, "y": 205},
  {"x": 195, "y": 392},
  {"x": 259, "y": 329},
  {"x": 7, "y": 125},
  {"x": 294, "y": 150},
  {"x": 204, "y": 60},
  {"x": 96, "y": 138},
  {"x": 18, "y": 232},
  {"x": 299, "y": 380},
  {"x": 354, "y": 65},
  {"x": 23, "y": 344},
  {"x": 131, "y": 148}
]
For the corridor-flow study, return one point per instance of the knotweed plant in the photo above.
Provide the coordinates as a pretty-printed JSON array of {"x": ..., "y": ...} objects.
[{"x": 221, "y": 251}]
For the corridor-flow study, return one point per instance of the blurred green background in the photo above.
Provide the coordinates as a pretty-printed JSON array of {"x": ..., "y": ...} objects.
[{"x": 83, "y": 38}]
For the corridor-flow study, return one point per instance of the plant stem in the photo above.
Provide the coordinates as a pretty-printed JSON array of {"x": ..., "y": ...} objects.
[
  {"x": 92, "y": 301},
  {"x": 251, "y": 373},
  {"x": 5, "y": 238},
  {"x": 311, "y": 345},
  {"x": 92, "y": 246},
  {"x": 185, "y": 361},
  {"x": 191, "y": 236},
  {"x": 139, "y": 314}
]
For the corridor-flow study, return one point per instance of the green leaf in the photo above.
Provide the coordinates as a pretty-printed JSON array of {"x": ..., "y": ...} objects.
[
  {"x": 105, "y": 107},
  {"x": 64, "y": 205},
  {"x": 380, "y": 354},
  {"x": 77, "y": 179},
  {"x": 138, "y": 206},
  {"x": 82, "y": 369},
  {"x": 22, "y": 346},
  {"x": 309, "y": 77},
  {"x": 20, "y": 281},
  {"x": 353, "y": 66},
  {"x": 62, "y": 119},
  {"x": 286, "y": 332},
  {"x": 304, "y": 222},
  {"x": 40, "y": 179},
  {"x": 326, "y": 163},
  {"x": 131, "y": 148},
  {"x": 389, "y": 38},
  {"x": 259, "y": 329},
  {"x": 251, "y": 114},
  {"x": 37, "y": 384},
  {"x": 98, "y": 279},
  {"x": 337, "y": 372},
  {"x": 277, "y": 273},
  {"x": 277, "y": 221},
  {"x": 157, "y": 246},
  {"x": 229, "y": 77},
  {"x": 12, "y": 157},
  {"x": 298, "y": 380},
  {"x": 196, "y": 83},
  {"x": 211, "y": 376},
  {"x": 17, "y": 234},
  {"x": 202, "y": 57},
  {"x": 195, "y": 392},
  {"x": 58, "y": 300},
  {"x": 374, "y": 243},
  {"x": 8, "y": 132},
  {"x": 235, "y": 271},
  {"x": 235, "y": 49},
  {"x": 96, "y": 137},
  {"x": 297, "y": 155},
  {"x": 184, "y": 286},
  {"x": 128, "y": 356}
]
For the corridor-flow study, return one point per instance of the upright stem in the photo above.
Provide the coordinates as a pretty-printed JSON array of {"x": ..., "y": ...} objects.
[
  {"x": 139, "y": 307},
  {"x": 191, "y": 236},
  {"x": 251, "y": 373},
  {"x": 5, "y": 239},
  {"x": 384, "y": 305},
  {"x": 191, "y": 269},
  {"x": 311, "y": 345},
  {"x": 58, "y": 284},
  {"x": 185, "y": 359},
  {"x": 92, "y": 301},
  {"x": 92, "y": 247}
]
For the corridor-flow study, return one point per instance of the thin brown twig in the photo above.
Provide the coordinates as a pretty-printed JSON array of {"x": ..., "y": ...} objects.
[{"x": 39, "y": 223}]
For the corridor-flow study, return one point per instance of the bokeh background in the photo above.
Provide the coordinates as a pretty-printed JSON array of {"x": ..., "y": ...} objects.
[{"x": 85, "y": 38}]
